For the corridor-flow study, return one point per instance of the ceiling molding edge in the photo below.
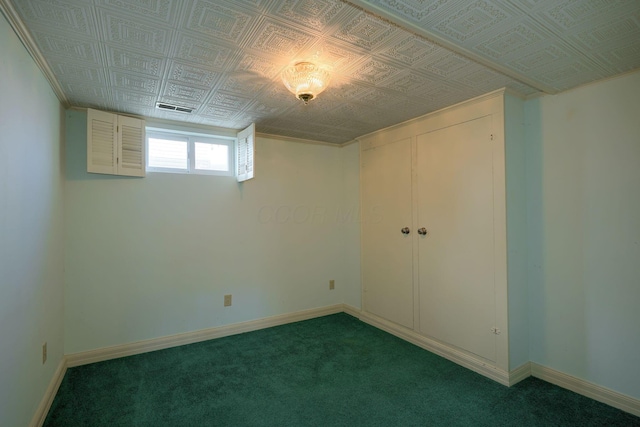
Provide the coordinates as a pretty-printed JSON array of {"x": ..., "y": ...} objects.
[
  {"x": 403, "y": 23},
  {"x": 298, "y": 140},
  {"x": 10, "y": 13}
]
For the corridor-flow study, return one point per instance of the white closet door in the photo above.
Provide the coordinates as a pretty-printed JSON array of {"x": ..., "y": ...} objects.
[
  {"x": 456, "y": 267},
  {"x": 387, "y": 252}
]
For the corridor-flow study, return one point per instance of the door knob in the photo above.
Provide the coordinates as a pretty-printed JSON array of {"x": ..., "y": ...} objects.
[
  {"x": 422, "y": 231},
  {"x": 405, "y": 230}
]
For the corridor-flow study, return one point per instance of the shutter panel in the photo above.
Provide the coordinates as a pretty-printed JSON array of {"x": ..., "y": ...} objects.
[
  {"x": 131, "y": 147},
  {"x": 101, "y": 142},
  {"x": 245, "y": 152}
]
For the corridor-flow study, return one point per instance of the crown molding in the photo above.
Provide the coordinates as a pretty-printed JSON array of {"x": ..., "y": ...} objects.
[
  {"x": 13, "y": 18},
  {"x": 422, "y": 32}
]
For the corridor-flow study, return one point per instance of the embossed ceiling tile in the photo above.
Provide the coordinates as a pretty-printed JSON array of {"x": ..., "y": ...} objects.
[
  {"x": 243, "y": 83},
  {"x": 564, "y": 77},
  {"x": 186, "y": 94},
  {"x": 514, "y": 40},
  {"x": 88, "y": 92},
  {"x": 156, "y": 10},
  {"x": 67, "y": 16},
  {"x": 316, "y": 14},
  {"x": 203, "y": 52},
  {"x": 443, "y": 63},
  {"x": 133, "y": 34},
  {"x": 464, "y": 23},
  {"x": 192, "y": 75},
  {"x": 607, "y": 35},
  {"x": 134, "y": 82},
  {"x": 69, "y": 71},
  {"x": 259, "y": 66},
  {"x": 57, "y": 47},
  {"x": 135, "y": 62},
  {"x": 413, "y": 10},
  {"x": 373, "y": 71},
  {"x": 275, "y": 38},
  {"x": 408, "y": 82},
  {"x": 410, "y": 50},
  {"x": 621, "y": 59},
  {"x": 217, "y": 114},
  {"x": 543, "y": 58},
  {"x": 217, "y": 20},
  {"x": 131, "y": 99},
  {"x": 228, "y": 101},
  {"x": 485, "y": 79},
  {"x": 571, "y": 15},
  {"x": 366, "y": 31},
  {"x": 351, "y": 91}
]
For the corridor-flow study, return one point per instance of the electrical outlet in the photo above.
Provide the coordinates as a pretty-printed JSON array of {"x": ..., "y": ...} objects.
[
  {"x": 44, "y": 353},
  {"x": 332, "y": 284},
  {"x": 227, "y": 300}
]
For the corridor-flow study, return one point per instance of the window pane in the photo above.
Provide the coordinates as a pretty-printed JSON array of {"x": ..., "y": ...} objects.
[
  {"x": 212, "y": 157},
  {"x": 167, "y": 153}
]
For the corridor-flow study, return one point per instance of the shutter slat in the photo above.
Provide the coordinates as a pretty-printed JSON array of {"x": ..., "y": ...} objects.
[{"x": 244, "y": 153}]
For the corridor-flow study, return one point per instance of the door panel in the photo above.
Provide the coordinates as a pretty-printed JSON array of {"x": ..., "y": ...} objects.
[
  {"x": 456, "y": 257},
  {"x": 387, "y": 271}
]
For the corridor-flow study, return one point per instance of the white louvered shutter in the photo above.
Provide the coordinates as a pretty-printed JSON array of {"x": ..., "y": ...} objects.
[
  {"x": 101, "y": 142},
  {"x": 131, "y": 146},
  {"x": 244, "y": 153}
]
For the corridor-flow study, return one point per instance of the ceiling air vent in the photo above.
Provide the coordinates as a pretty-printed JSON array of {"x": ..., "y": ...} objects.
[{"x": 170, "y": 107}]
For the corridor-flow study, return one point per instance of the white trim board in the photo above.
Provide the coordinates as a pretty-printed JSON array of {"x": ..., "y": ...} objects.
[
  {"x": 586, "y": 388},
  {"x": 463, "y": 359},
  {"x": 107, "y": 353},
  {"x": 49, "y": 394}
]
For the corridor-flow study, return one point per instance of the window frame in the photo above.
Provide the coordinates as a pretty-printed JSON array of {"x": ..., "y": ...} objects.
[{"x": 191, "y": 138}]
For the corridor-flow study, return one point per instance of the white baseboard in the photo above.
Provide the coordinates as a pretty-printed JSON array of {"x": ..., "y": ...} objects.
[
  {"x": 107, "y": 353},
  {"x": 49, "y": 395},
  {"x": 586, "y": 388},
  {"x": 519, "y": 374},
  {"x": 468, "y": 361}
]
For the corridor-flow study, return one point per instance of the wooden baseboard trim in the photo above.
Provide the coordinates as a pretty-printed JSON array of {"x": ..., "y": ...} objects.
[
  {"x": 519, "y": 374},
  {"x": 107, "y": 353},
  {"x": 586, "y": 388},
  {"x": 49, "y": 395},
  {"x": 468, "y": 361}
]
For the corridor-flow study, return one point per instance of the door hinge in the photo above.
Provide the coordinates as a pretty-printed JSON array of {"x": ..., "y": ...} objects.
[{"x": 495, "y": 330}]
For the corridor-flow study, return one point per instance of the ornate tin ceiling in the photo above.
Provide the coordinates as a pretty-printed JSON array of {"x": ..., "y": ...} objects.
[{"x": 392, "y": 60}]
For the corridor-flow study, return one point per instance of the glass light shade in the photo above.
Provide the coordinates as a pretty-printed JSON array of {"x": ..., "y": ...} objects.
[{"x": 306, "y": 80}]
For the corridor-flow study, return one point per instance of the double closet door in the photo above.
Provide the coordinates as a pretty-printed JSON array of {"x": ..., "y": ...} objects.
[{"x": 428, "y": 234}]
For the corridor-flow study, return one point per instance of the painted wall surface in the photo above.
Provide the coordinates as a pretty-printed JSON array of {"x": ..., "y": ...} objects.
[
  {"x": 352, "y": 292},
  {"x": 515, "y": 178},
  {"x": 583, "y": 172},
  {"x": 150, "y": 257},
  {"x": 31, "y": 232}
]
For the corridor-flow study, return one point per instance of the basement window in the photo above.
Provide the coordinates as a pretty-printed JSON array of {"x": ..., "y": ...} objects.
[{"x": 185, "y": 152}]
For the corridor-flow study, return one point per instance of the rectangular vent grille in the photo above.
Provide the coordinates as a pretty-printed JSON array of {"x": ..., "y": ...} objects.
[{"x": 170, "y": 107}]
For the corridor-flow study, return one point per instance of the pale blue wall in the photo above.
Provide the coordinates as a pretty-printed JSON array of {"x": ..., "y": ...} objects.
[
  {"x": 31, "y": 232},
  {"x": 516, "y": 232},
  {"x": 583, "y": 172},
  {"x": 150, "y": 257}
]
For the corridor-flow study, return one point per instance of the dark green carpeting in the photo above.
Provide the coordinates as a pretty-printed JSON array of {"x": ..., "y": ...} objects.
[{"x": 330, "y": 371}]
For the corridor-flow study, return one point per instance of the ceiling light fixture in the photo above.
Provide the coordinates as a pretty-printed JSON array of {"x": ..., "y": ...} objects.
[{"x": 306, "y": 80}]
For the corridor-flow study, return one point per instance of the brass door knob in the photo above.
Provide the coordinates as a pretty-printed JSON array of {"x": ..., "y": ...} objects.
[
  {"x": 422, "y": 231},
  {"x": 405, "y": 230}
]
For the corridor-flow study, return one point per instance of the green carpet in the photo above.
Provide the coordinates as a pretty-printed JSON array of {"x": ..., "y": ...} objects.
[{"x": 330, "y": 371}]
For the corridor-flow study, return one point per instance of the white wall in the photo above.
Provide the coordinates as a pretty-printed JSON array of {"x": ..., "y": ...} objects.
[
  {"x": 31, "y": 232},
  {"x": 150, "y": 257},
  {"x": 583, "y": 167}
]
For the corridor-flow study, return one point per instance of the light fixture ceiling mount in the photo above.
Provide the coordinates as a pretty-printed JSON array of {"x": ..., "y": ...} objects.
[{"x": 306, "y": 80}]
